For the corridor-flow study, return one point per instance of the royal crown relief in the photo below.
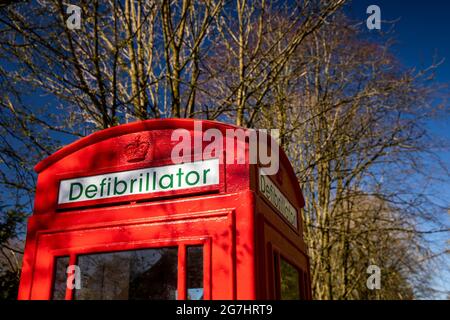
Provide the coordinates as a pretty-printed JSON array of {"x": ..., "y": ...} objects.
[{"x": 138, "y": 149}]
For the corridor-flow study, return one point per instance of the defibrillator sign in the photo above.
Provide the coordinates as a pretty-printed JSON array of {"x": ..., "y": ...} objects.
[
  {"x": 271, "y": 192},
  {"x": 141, "y": 181}
]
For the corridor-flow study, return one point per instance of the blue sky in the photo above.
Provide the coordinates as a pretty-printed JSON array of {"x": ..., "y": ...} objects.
[{"x": 422, "y": 31}]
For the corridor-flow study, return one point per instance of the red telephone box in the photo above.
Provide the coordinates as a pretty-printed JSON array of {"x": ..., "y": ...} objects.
[{"x": 133, "y": 224}]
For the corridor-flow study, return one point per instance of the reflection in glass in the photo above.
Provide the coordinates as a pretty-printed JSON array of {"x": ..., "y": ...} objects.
[
  {"x": 194, "y": 273},
  {"x": 60, "y": 278},
  {"x": 290, "y": 289},
  {"x": 149, "y": 274}
]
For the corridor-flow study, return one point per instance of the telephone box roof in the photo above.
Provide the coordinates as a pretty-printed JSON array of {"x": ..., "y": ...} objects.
[{"x": 152, "y": 125}]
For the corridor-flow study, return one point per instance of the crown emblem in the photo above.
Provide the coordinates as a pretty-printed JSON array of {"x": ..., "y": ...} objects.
[{"x": 137, "y": 150}]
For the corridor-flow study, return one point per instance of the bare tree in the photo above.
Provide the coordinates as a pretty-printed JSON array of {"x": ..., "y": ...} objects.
[{"x": 355, "y": 132}]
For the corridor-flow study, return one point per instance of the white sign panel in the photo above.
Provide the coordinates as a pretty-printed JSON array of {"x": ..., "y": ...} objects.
[
  {"x": 141, "y": 181},
  {"x": 277, "y": 199}
]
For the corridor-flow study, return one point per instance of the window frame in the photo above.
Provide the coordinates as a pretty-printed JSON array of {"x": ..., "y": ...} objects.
[
  {"x": 181, "y": 244},
  {"x": 302, "y": 275}
]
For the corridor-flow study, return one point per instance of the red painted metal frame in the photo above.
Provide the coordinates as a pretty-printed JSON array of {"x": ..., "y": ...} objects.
[{"x": 238, "y": 228}]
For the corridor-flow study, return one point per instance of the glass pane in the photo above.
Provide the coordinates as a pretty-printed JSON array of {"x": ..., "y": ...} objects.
[
  {"x": 139, "y": 274},
  {"x": 60, "y": 278},
  {"x": 194, "y": 273},
  {"x": 290, "y": 289}
]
